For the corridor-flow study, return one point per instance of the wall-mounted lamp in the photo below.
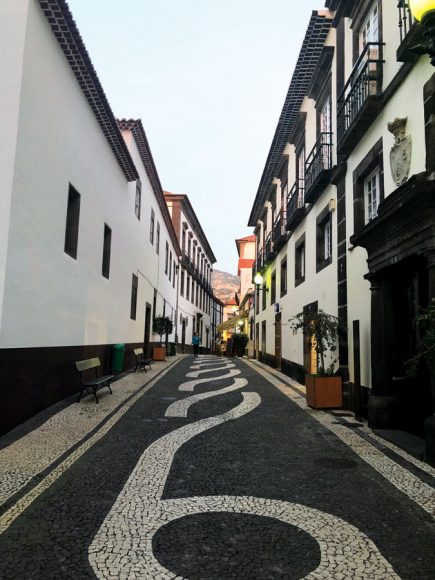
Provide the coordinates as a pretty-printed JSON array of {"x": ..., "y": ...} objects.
[
  {"x": 424, "y": 11},
  {"x": 258, "y": 281}
]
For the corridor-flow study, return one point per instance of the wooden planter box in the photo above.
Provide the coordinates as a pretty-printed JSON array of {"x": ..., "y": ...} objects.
[
  {"x": 159, "y": 353},
  {"x": 324, "y": 392}
]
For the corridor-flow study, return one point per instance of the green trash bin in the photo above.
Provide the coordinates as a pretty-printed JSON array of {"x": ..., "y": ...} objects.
[{"x": 118, "y": 358}]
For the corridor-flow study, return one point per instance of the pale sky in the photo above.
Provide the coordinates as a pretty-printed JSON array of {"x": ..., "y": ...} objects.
[{"x": 208, "y": 78}]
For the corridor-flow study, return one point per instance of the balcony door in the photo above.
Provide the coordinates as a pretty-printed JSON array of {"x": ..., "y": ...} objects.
[
  {"x": 325, "y": 132},
  {"x": 369, "y": 31}
]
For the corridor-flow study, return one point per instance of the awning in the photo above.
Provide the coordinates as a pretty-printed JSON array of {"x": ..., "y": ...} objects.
[{"x": 230, "y": 323}]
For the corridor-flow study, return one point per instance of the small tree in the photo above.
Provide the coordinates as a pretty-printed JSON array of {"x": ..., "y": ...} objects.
[
  {"x": 162, "y": 325},
  {"x": 326, "y": 330}
]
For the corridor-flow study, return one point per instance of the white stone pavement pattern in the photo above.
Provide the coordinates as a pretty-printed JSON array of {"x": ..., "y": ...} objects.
[
  {"x": 123, "y": 544},
  {"x": 36, "y": 451}
]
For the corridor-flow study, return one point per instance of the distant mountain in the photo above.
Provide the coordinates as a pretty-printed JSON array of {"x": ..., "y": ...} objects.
[{"x": 225, "y": 285}]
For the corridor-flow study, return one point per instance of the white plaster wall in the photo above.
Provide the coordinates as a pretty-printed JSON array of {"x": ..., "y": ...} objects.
[
  {"x": 13, "y": 22},
  {"x": 321, "y": 286},
  {"x": 186, "y": 307},
  {"x": 50, "y": 298}
]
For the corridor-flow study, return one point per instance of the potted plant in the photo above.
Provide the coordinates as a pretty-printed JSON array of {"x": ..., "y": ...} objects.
[
  {"x": 162, "y": 325},
  {"x": 323, "y": 388}
]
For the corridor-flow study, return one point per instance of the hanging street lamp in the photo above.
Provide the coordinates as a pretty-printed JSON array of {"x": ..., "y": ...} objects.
[{"x": 424, "y": 11}]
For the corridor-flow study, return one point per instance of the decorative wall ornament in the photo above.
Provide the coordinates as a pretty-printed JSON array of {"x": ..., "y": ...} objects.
[{"x": 401, "y": 152}]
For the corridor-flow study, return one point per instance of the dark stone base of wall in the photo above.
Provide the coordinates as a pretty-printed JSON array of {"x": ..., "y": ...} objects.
[
  {"x": 32, "y": 379},
  {"x": 293, "y": 370}
]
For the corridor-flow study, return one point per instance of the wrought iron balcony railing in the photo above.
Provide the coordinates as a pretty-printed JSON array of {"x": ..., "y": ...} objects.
[
  {"x": 361, "y": 92},
  {"x": 279, "y": 232},
  {"x": 406, "y": 19},
  {"x": 296, "y": 204},
  {"x": 318, "y": 167},
  {"x": 411, "y": 35},
  {"x": 269, "y": 248}
]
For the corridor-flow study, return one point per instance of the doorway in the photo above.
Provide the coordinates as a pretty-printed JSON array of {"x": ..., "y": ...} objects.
[
  {"x": 278, "y": 341},
  {"x": 183, "y": 334},
  {"x": 407, "y": 291},
  {"x": 146, "y": 340}
]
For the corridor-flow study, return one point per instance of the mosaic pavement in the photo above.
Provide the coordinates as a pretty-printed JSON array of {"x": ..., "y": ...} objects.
[{"x": 216, "y": 470}]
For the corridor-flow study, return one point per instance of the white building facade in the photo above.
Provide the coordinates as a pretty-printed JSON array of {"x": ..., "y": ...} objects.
[
  {"x": 88, "y": 253},
  {"x": 343, "y": 215},
  {"x": 195, "y": 302}
]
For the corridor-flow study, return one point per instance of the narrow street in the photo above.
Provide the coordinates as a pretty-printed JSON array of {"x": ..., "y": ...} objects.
[{"x": 215, "y": 469}]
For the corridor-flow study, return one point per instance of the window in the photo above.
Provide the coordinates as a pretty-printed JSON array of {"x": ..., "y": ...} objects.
[
  {"x": 283, "y": 281},
  {"x": 300, "y": 261},
  {"x": 170, "y": 265},
  {"x": 323, "y": 239},
  {"x": 173, "y": 277},
  {"x": 368, "y": 187},
  {"x": 152, "y": 227},
  {"x": 263, "y": 306},
  {"x": 371, "y": 195},
  {"x": 106, "y": 251},
  {"x": 182, "y": 283},
  {"x": 189, "y": 247},
  {"x": 133, "y": 306},
  {"x": 154, "y": 304},
  {"x": 197, "y": 293},
  {"x": 273, "y": 288},
  {"x": 193, "y": 291},
  {"x": 137, "y": 202},
  {"x": 166, "y": 257},
  {"x": 72, "y": 223},
  {"x": 369, "y": 30},
  {"x": 257, "y": 300},
  {"x": 158, "y": 238},
  {"x": 188, "y": 288},
  {"x": 183, "y": 241}
]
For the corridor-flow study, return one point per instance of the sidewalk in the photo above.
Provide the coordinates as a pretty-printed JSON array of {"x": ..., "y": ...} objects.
[
  {"x": 411, "y": 476},
  {"x": 27, "y": 454}
]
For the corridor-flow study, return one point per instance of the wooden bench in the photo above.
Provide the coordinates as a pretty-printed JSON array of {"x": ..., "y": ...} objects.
[
  {"x": 141, "y": 362},
  {"x": 87, "y": 365}
]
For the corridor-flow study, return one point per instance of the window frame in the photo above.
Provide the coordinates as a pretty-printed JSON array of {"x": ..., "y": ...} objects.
[
  {"x": 300, "y": 260},
  {"x": 138, "y": 198},
  {"x": 107, "y": 246},
  {"x": 323, "y": 221},
  {"x": 134, "y": 293},
  {"x": 72, "y": 222}
]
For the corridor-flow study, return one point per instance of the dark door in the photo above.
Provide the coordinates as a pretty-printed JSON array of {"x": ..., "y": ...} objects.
[
  {"x": 183, "y": 334},
  {"x": 278, "y": 341},
  {"x": 146, "y": 340},
  {"x": 407, "y": 286}
]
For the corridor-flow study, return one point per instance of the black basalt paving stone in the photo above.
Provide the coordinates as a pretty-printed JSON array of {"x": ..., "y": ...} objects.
[
  {"x": 277, "y": 451},
  {"x": 222, "y": 545}
]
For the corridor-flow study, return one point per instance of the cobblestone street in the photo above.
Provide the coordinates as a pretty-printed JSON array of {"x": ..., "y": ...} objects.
[{"x": 210, "y": 468}]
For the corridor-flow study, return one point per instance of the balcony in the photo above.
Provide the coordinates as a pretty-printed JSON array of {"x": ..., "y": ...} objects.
[
  {"x": 410, "y": 33},
  {"x": 296, "y": 204},
  {"x": 269, "y": 250},
  {"x": 279, "y": 233},
  {"x": 186, "y": 262},
  {"x": 318, "y": 167},
  {"x": 359, "y": 102}
]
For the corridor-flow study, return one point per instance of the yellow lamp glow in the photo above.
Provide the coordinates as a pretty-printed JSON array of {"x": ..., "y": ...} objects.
[
  {"x": 420, "y": 8},
  {"x": 258, "y": 279}
]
